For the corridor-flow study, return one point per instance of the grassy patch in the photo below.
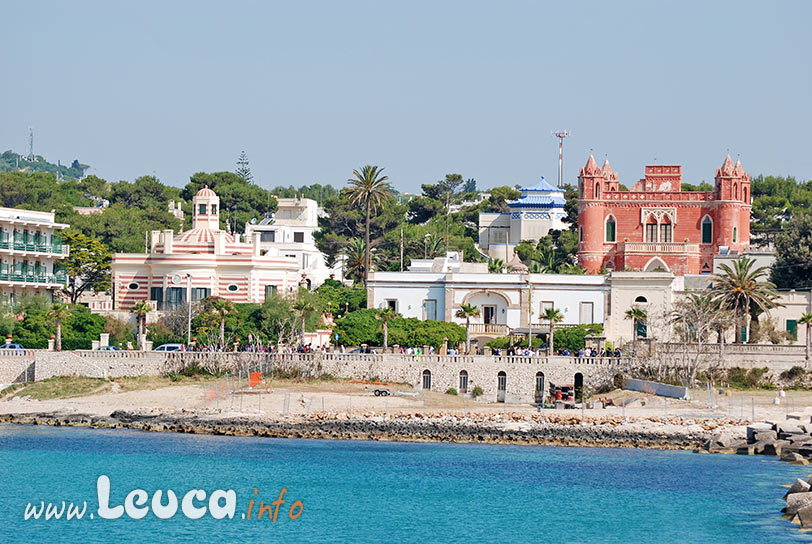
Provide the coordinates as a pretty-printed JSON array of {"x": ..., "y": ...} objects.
[{"x": 59, "y": 388}]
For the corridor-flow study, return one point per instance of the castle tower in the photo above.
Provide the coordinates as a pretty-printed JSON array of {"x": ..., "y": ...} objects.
[
  {"x": 733, "y": 191},
  {"x": 206, "y": 213},
  {"x": 591, "y": 187}
]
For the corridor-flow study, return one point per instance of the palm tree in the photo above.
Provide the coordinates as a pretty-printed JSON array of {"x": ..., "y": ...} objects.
[
  {"x": 386, "y": 314},
  {"x": 369, "y": 187},
  {"x": 355, "y": 257},
  {"x": 467, "y": 311},
  {"x": 433, "y": 246},
  {"x": 495, "y": 266},
  {"x": 806, "y": 319},
  {"x": 740, "y": 286},
  {"x": 569, "y": 268},
  {"x": 553, "y": 316},
  {"x": 58, "y": 312},
  {"x": 141, "y": 309},
  {"x": 637, "y": 316},
  {"x": 305, "y": 305},
  {"x": 220, "y": 308}
]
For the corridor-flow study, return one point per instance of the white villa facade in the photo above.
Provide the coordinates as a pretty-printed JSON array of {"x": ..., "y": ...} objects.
[
  {"x": 31, "y": 250},
  {"x": 289, "y": 232},
  {"x": 533, "y": 215},
  {"x": 204, "y": 261},
  {"x": 436, "y": 289}
]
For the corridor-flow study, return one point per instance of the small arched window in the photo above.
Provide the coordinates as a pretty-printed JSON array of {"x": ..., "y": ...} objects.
[
  {"x": 597, "y": 190},
  {"x": 734, "y": 235},
  {"x": 427, "y": 379},
  {"x": 744, "y": 195},
  {"x": 641, "y": 299},
  {"x": 707, "y": 230},
  {"x": 611, "y": 229},
  {"x": 735, "y": 192}
]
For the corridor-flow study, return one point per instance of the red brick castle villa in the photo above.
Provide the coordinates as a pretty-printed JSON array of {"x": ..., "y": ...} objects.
[{"x": 657, "y": 226}]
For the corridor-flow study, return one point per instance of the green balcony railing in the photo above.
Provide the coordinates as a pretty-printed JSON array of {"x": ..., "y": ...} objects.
[
  {"x": 42, "y": 248},
  {"x": 33, "y": 278}
]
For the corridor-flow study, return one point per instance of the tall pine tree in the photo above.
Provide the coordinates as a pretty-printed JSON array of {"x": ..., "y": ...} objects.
[{"x": 242, "y": 168}]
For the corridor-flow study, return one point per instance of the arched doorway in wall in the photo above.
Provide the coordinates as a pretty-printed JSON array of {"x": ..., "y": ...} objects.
[
  {"x": 539, "y": 387},
  {"x": 579, "y": 387},
  {"x": 463, "y": 381},
  {"x": 427, "y": 379},
  {"x": 501, "y": 386}
]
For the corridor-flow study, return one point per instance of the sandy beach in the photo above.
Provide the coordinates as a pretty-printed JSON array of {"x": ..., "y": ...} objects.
[{"x": 346, "y": 410}]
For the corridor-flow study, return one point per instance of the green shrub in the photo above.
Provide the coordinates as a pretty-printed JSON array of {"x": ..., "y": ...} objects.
[
  {"x": 747, "y": 379},
  {"x": 793, "y": 373},
  {"x": 363, "y": 327},
  {"x": 451, "y": 391},
  {"x": 477, "y": 391}
]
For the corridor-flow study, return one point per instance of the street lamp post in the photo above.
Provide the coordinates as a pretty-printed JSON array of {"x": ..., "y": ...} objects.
[
  {"x": 189, "y": 313},
  {"x": 529, "y": 314}
]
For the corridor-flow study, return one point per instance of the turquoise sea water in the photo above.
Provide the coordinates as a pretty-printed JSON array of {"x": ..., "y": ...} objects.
[{"x": 391, "y": 492}]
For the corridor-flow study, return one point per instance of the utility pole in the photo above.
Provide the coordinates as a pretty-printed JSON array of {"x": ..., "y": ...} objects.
[
  {"x": 561, "y": 134},
  {"x": 401, "y": 250}
]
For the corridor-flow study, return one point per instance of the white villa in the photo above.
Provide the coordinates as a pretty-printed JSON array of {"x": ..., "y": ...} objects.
[
  {"x": 289, "y": 232},
  {"x": 535, "y": 213},
  {"x": 31, "y": 250},
  {"x": 436, "y": 289}
]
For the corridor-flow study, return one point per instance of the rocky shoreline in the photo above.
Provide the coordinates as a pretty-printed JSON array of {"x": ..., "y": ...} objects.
[{"x": 519, "y": 429}]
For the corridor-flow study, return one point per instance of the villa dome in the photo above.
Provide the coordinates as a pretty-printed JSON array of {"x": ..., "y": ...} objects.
[{"x": 205, "y": 191}]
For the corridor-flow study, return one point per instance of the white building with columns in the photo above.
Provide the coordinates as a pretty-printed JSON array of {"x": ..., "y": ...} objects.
[{"x": 204, "y": 261}]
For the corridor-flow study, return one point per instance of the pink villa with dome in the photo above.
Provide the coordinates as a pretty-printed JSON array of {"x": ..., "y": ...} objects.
[{"x": 201, "y": 262}]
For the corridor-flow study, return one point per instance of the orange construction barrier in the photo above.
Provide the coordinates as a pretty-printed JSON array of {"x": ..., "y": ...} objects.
[{"x": 254, "y": 378}]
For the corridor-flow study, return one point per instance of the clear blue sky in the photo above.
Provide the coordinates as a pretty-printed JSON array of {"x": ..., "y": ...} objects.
[{"x": 311, "y": 90}]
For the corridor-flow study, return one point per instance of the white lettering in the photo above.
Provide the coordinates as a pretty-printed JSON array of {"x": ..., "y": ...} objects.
[
  {"x": 161, "y": 511},
  {"x": 136, "y": 498},
  {"x": 103, "y": 494},
  {"x": 189, "y": 509},
  {"x": 32, "y": 510},
  {"x": 219, "y": 512},
  {"x": 51, "y": 512},
  {"x": 73, "y": 510}
]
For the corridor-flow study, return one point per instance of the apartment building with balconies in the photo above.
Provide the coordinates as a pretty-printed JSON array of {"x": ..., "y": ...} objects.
[{"x": 31, "y": 253}]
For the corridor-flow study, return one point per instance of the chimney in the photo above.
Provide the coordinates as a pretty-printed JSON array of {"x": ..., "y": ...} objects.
[
  {"x": 155, "y": 239},
  {"x": 255, "y": 240},
  {"x": 169, "y": 235}
]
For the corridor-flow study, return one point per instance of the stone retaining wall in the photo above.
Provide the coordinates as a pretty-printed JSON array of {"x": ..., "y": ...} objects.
[{"x": 444, "y": 370}]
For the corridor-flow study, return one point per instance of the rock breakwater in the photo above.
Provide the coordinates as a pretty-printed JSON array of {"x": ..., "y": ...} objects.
[{"x": 477, "y": 428}]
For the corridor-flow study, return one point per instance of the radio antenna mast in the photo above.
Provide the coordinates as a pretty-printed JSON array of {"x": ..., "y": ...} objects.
[
  {"x": 30, "y": 144},
  {"x": 561, "y": 134}
]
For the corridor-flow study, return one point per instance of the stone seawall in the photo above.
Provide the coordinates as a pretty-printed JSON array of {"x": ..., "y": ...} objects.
[{"x": 519, "y": 377}]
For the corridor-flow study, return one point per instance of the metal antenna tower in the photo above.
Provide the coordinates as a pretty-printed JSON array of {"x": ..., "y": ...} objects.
[
  {"x": 30, "y": 144},
  {"x": 561, "y": 134}
]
